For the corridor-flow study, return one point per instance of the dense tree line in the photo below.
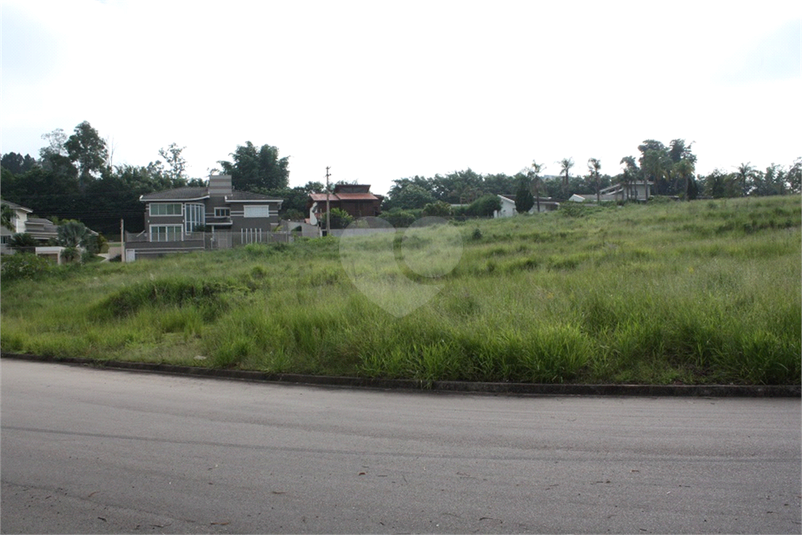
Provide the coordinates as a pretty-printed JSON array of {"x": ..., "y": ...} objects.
[{"x": 669, "y": 168}]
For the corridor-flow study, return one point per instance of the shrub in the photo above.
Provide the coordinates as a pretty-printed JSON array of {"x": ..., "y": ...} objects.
[
  {"x": 437, "y": 209},
  {"x": 484, "y": 206},
  {"x": 339, "y": 218},
  {"x": 22, "y": 239},
  {"x": 399, "y": 218},
  {"x": 23, "y": 266}
]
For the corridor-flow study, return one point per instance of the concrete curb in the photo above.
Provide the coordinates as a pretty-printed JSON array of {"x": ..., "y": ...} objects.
[{"x": 748, "y": 391}]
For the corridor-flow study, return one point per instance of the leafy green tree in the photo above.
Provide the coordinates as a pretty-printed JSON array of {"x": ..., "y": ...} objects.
[
  {"x": 524, "y": 201},
  {"x": 719, "y": 184},
  {"x": 437, "y": 209},
  {"x": 746, "y": 174},
  {"x": 484, "y": 206},
  {"x": 88, "y": 149},
  {"x": 56, "y": 144},
  {"x": 176, "y": 163},
  {"x": 409, "y": 196},
  {"x": 654, "y": 162},
  {"x": 253, "y": 169},
  {"x": 460, "y": 187},
  {"x": 399, "y": 218},
  {"x": 339, "y": 218},
  {"x": 17, "y": 163}
]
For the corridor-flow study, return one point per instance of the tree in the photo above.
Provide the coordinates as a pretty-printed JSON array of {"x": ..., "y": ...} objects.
[
  {"x": 22, "y": 241},
  {"x": 409, "y": 197},
  {"x": 745, "y": 174},
  {"x": 72, "y": 233},
  {"x": 719, "y": 184},
  {"x": 253, "y": 169},
  {"x": 565, "y": 167},
  {"x": 794, "y": 176},
  {"x": 17, "y": 163},
  {"x": 484, "y": 206},
  {"x": 631, "y": 173},
  {"x": 534, "y": 175},
  {"x": 524, "y": 201},
  {"x": 56, "y": 141},
  {"x": 655, "y": 163},
  {"x": 8, "y": 217},
  {"x": 176, "y": 163},
  {"x": 339, "y": 218},
  {"x": 87, "y": 148},
  {"x": 437, "y": 209},
  {"x": 594, "y": 165},
  {"x": 684, "y": 170}
]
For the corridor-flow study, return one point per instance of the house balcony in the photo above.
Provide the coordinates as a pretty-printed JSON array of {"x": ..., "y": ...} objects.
[{"x": 218, "y": 221}]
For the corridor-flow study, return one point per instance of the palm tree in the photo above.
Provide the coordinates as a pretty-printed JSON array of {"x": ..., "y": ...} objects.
[
  {"x": 565, "y": 166},
  {"x": 593, "y": 166},
  {"x": 745, "y": 171},
  {"x": 8, "y": 217},
  {"x": 534, "y": 173},
  {"x": 684, "y": 169},
  {"x": 630, "y": 173},
  {"x": 72, "y": 234}
]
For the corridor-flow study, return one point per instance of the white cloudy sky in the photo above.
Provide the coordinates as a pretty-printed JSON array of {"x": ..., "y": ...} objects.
[{"x": 386, "y": 89}]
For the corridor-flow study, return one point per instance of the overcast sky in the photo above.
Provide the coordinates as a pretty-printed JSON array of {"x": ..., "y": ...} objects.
[{"x": 381, "y": 89}]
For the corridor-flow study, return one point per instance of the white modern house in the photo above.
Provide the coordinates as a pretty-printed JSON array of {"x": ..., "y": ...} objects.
[{"x": 42, "y": 230}]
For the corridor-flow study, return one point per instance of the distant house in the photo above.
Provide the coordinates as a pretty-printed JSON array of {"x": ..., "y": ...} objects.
[
  {"x": 617, "y": 192},
  {"x": 198, "y": 218},
  {"x": 42, "y": 230},
  {"x": 356, "y": 199},
  {"x": 547, "y": 204}
]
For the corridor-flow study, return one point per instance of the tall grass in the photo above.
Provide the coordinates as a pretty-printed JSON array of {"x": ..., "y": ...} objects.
[{"x": 702, "y": 292}]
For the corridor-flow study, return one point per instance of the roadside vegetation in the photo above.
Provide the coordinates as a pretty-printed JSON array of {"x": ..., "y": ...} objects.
[{"x": 694, "y": 293}]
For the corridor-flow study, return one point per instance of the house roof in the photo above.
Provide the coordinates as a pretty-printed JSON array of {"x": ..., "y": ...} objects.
[
  {"x": 318, "y": 197},
  {"x": 199, "y": 193},
  {"x": 41, "y": 229},
  {"x": 242, "y": 196},
  {"x": 177, "y": 194},
  {"x": 15, "y": 206}
]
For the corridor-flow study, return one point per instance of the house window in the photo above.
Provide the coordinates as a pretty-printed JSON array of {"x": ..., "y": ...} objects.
[
  {"x": 165, "y": 233},
  {"x": 164, "y": 208},
  {"x": 194, "y": 216},
  {"x": 222, "y": 212},
  {"x": 257, "y": 210}
]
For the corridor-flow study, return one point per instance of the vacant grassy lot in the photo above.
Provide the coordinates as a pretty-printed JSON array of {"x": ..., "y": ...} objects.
[{"x": 701, "y": 292}]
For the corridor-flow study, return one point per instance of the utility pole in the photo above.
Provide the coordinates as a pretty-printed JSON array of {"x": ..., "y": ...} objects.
[
  {"x": 122, "y": 240},
  {"x": 328, "y": 204}
]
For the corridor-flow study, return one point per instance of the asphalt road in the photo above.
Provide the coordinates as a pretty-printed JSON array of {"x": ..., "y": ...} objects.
[{"x": 85, "y": 450}]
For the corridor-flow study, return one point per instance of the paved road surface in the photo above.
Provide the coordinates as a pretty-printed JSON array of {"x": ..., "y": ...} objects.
[{"x": 88, "y": 450}]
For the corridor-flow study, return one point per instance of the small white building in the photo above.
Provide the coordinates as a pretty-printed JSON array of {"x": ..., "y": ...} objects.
[{"x": 547, "y": 204}]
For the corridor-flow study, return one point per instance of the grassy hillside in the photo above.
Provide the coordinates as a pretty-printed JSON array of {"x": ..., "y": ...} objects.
[{"x": 701, "y": 292}]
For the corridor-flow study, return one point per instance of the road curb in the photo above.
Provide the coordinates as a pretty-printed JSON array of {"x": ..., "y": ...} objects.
[{"x": 749, "y": 391}]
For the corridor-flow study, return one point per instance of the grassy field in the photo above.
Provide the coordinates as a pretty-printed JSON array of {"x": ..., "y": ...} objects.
[{"x": 695, "y": 293}]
